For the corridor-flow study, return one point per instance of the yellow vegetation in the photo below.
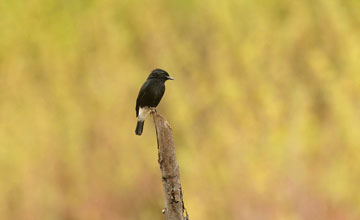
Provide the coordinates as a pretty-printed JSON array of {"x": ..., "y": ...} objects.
[{"x": 265, "y": 108}]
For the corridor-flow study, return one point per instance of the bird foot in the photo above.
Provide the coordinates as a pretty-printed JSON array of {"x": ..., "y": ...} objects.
[{"x": 153, "y": 110}]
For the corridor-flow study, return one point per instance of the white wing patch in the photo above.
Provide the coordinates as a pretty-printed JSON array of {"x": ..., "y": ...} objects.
[{"x": 143, "y": 112}]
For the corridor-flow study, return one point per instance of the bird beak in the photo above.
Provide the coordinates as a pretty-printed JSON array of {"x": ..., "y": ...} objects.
[{"x": 170, "y": 78}]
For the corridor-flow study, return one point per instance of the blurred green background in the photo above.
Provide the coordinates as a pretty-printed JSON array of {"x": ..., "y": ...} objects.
[{"x": 265, "y": 108}]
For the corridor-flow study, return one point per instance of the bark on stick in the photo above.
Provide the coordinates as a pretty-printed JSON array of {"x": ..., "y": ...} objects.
[{"x": 174, "y": 204}]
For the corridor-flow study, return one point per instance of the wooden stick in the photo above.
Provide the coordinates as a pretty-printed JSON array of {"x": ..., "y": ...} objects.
[{"x": 174, "y": 204}]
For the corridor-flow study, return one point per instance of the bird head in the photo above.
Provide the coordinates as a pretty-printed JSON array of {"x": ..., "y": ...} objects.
[{"x": 160, "y": 74}]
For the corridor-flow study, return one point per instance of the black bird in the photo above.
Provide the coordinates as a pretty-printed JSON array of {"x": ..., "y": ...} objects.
[{"x": 149, "y": 96}]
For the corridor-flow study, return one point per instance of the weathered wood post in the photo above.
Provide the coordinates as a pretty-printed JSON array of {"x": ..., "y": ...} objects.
[{"x": 174, "y": 204}]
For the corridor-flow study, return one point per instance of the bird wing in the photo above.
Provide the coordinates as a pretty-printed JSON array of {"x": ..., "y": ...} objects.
[
  {"x": 140, "y": 97},
  {"x": 150, "y": 95}
]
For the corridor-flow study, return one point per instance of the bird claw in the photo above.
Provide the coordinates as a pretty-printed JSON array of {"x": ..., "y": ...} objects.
[{"x": 153, "y": 110}]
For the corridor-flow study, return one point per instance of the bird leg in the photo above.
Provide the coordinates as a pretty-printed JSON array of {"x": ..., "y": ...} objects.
[{"x": 153, "y": 110}]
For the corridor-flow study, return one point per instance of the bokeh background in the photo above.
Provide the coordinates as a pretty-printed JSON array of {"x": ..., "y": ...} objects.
[{"x": 265, "y": 108}]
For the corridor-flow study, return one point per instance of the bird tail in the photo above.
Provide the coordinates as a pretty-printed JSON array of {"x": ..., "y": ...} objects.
[{"x": 139, "y": 127}]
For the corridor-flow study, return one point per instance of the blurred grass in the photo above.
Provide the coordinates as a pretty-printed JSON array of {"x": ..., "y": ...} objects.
[{"x": 265, "y": 108}]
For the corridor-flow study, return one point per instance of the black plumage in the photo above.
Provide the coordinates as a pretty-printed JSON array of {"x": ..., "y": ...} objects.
[{"x": 150, "y": 95}]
